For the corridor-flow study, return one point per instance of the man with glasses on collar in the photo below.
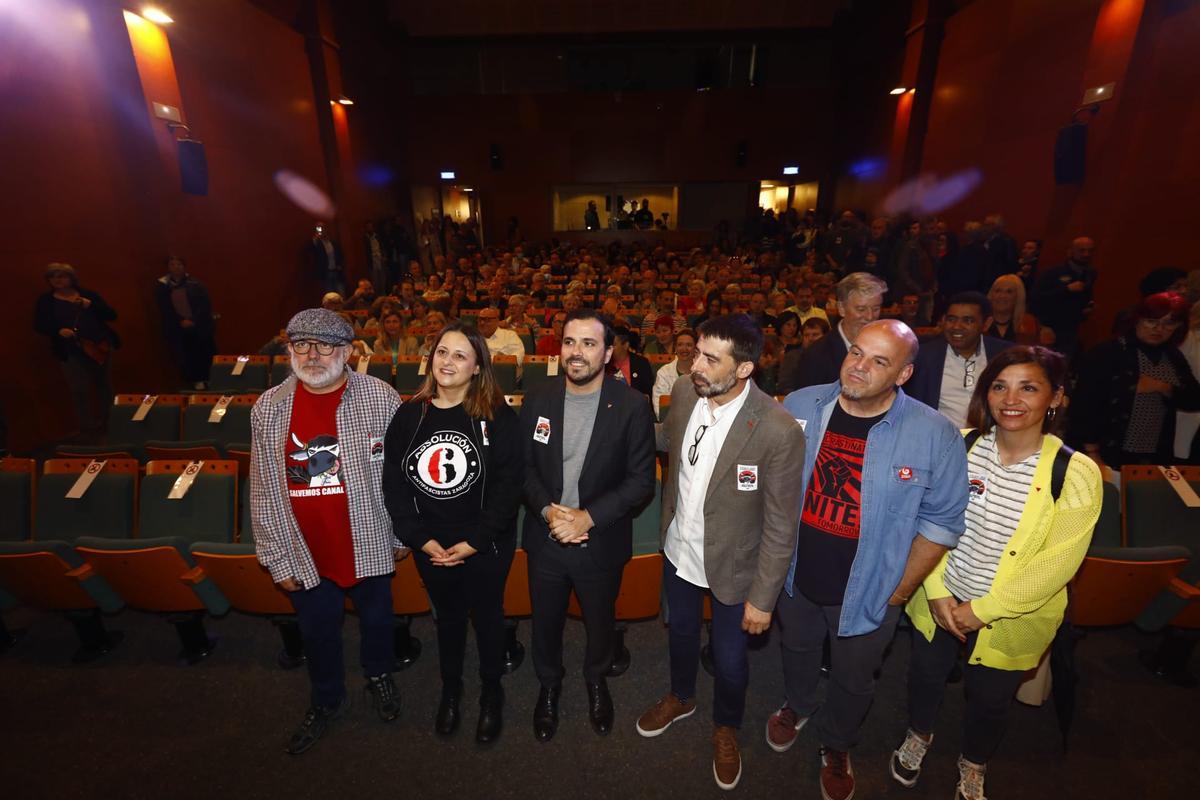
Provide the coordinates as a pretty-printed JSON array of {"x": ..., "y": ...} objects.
[
  {"x": 946, "y": 369},
  {"x": 317, "y": 513},
  {"x": 728, "y": 525}
]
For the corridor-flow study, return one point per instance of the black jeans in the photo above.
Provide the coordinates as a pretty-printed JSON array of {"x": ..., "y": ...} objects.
[
  {"x": 473, "y": 591},
  {"x": 989, "y": 692},
  {"x": 855, "y": 660},
  {"x": 685, "y": 602},
  {"x": 320, "y": 611},
  {"x": 553, "y": 572},
  {"x": 90, "y": 384}
]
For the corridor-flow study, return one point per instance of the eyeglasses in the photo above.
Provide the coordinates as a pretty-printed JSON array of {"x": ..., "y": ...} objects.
[
  {"x": 969, "y": 374},
  {"x": 1168, "y": 324},
  {"x": 301, "y": 348},
  {"x": 693, "y": 451}
]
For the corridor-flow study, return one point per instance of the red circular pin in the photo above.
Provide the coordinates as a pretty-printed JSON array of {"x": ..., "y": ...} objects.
[{"x": 905, "y": 473}]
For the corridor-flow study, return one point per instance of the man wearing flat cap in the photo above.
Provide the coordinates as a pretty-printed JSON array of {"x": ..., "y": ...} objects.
[{"x": 320, "y": 525}]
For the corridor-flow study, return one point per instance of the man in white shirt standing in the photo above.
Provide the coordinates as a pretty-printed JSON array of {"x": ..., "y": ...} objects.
[
  {"x": 685, "y": 352},
  {"x": 729, "y": 525}
]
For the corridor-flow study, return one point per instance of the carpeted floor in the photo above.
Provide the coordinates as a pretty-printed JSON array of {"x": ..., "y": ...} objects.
[{"x": 137, "y": 725}]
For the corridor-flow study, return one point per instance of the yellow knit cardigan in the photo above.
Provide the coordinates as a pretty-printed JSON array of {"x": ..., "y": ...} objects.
[{"x": 1024, "y": 607}]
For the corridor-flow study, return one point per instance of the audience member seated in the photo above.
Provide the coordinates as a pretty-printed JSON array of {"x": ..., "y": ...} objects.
[
  {"x": 663, "y": 341},
  {"x": 500, "y": 341},
  {"x": 812, "y": 331},
  {"x": 910, "y": 312},
  {"x": 859, "y": 301},
  {"x": 363, "y": 297},
  {"x": 550, "y": 343},
  {"x": 787, "y": 330},
  {"x": 1123, "y": 409},
  {"x": 946, "y": 369},
  {"x": 680, "y": 366}
]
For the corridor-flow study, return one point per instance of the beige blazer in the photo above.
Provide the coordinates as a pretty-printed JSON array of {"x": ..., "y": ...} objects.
[{"x": 752, "y": 507}]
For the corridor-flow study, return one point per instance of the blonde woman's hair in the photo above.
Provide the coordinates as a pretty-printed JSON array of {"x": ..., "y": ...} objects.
[{"x": 1019, "y": 307}]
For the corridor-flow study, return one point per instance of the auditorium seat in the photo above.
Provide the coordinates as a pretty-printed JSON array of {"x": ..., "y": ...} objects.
[
  {"x": 157, "y": 571},
  {"x": 252, "y": 379},
  {"x": 1153, "y": 513},
  {"x": 191, "y": 450},
  {"x": 17, "y": 480},
  {"x": 1115, "y": 584},
  {"x": 505, "y": 368},
  {"x": 377, "y": 367},
  {"x": 664, "y": 407},
  {"x": 658, "y": 360},
  {"x": 92, "y": 452},
  {"x": 515, "y": 401},
  {"x": 534, "y": 372},
  {"x": 526, "y": 337},
  {"x": 281, "y": 368},
  {"x": 233, "y": 426},
  {"x": 161, "y": 421},
  {"x": 408, "y": 379},
  {"x": 47, "y": 573}
]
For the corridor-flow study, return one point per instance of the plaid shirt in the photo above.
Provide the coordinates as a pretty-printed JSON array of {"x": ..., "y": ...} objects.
[{"x": 363, "y": 416}]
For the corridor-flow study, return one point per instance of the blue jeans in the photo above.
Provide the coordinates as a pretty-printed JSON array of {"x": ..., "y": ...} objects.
[
  {"x": 685, "y": 602},
  {"x": 320, "y": 611}
]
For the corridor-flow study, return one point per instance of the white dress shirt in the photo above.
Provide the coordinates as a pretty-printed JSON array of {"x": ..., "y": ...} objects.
[
  {"x": 506, "y": 342},
  {"x": 955, "y": 397},
  {"x": 664, "y": 380},
  {"x": 685, "y": 535}
]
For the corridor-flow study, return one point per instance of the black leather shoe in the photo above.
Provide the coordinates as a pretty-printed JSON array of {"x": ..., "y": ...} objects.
[
  {"x": 448, "y": 715},
  {"x": 491, "y": 716},
  {"x": 545, "y": 713},
  {"x": 621, "y": 657},
  {"x": 600, "y": 707}
]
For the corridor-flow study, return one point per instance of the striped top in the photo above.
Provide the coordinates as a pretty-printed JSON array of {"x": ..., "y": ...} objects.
[{"x": 997, "y": 499}]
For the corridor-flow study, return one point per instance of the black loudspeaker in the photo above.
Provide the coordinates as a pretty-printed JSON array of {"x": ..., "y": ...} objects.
[
  {"x": 193, "y": 167},
  {"x": 1070, "y": 154},
  {"x": 741, "y": 153},
  {"x": 494, "y": 157}
]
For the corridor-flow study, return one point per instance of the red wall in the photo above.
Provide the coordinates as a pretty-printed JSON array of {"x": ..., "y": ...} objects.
[
  {"x": 85, "y": 182},
  {"x": 1009, "y": 76}
]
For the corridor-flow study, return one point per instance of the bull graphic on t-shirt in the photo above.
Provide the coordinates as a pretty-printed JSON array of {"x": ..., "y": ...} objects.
[{"x": 320, "y": 461}]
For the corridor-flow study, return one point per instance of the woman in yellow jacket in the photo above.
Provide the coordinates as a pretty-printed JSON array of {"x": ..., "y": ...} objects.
[{"x": 1002, "y": 590}]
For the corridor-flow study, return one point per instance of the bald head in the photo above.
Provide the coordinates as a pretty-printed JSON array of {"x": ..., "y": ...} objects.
[
  {"x": 1082, "y": 248},
  {"x": 903, "y": 335}
]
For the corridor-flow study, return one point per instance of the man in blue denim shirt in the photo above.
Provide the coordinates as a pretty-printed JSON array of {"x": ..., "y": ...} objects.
[{"x": 883, "y": 498}]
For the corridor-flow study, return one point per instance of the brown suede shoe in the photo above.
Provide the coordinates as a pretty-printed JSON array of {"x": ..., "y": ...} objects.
[
  {"x": 663, "y": 713},
  {"x": 727, "y": 759}
]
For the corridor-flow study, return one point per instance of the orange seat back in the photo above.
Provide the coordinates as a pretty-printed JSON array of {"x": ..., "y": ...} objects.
[
  {"x": 151, "y": 578},
  {"x": 245, "y": 582},
  {"x": 43, "y": 580},
  {"x": 1109, "y": 591}
]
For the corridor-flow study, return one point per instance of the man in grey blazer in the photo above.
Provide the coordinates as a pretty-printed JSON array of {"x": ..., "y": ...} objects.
[{"x": 729, "y": 522}]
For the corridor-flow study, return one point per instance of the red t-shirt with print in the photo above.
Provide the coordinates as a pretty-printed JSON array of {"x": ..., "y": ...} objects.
[{"x": 315, "y": 488}]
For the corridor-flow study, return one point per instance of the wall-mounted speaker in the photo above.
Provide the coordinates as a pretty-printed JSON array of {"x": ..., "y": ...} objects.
[
  {"x": 1070, "y": 154},
  {"x": 193, "y": 167},
  {"x": 495, "y": 158},
  {"x": 742, "y": 148}
]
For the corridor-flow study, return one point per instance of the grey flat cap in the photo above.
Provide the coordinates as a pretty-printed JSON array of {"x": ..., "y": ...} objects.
[{"x": 320, "y": 325}]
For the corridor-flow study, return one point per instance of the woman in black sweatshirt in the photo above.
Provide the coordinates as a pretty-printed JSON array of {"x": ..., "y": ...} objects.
[{"x": 452, "y": 481}]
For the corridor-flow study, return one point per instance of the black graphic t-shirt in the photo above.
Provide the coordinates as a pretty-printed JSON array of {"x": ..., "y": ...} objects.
[
  {"x": 445, "y": 468},
  {"x": 829, "y": 520}
]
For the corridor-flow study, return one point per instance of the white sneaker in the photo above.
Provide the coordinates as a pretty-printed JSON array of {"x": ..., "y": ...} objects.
[
  {"x": 906, "y": 761},
  {"x": 970, "y": 780}
]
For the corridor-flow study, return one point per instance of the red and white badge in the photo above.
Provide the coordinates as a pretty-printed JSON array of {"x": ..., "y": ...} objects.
[
  {"x": 905, "y": 473},
  {"x": 747, "y": 477}
]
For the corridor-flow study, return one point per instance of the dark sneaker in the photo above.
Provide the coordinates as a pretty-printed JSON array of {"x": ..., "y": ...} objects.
[
  {"x": 970, "y": 780},
  {"x": 837, "y": 776},
  {"x": 906, "y": 761},
  {"x": 316, "y": 721},
  {"x": 385, "y": 697},
  {"x": 663, "y": 713},
  {"x": 782, "y": 729},
  {"x": 727, "y": 759}
]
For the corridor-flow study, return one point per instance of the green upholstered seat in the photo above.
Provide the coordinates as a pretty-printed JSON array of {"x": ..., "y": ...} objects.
[
  {"x": 234, "y": 427},
  {"x": 106, "y": 509},
  {"x": 16, "y": 498},
  {"x": 206, "y": 513}
]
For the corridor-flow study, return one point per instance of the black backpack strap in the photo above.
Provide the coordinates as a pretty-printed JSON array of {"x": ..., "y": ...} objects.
[
  {"x": 971, "y": 437},
  {"x": 1058, "y": 472}
]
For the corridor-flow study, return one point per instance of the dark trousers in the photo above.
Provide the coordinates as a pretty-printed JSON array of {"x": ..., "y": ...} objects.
[
  {"x": 193, "y": 353},
  {"x": 685, "y": 602},
  {"x": 473, "y": 591},
  {"x": 320, "y": 611},
  {"x": 90, "y": 384},
  {"x": 989, "y": 692},
  {"x": 854, "y": 662},
  {"x": 553, "y": 571}
]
